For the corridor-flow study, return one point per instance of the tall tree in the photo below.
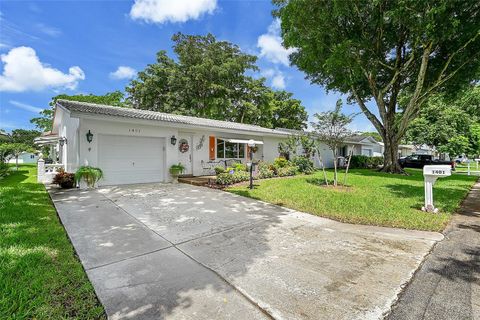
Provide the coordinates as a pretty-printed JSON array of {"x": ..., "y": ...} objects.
[
  {"x": 383, "y": 50},
  {"x": 44, "y": 122},
  {"x": 209, "y": 79},
  {"x": 24, "y": 136},
  {"x": 448, "y": 123}
]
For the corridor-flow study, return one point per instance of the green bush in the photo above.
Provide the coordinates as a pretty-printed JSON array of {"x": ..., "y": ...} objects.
[
  {"x": 231, "y": 178},
  {"x": 375, "y": 162},
  {"x": 287, "y": 171},
  {"x": 362, "y": 162},
  {"x": 304, "y": 164},
  {"x": 264, "y": 172},
  {"x": 280, "y": 162},
  {"x": 219, "y": 170},
  {"x": 3, "y": 169},
  {"x": 240, "y": 167}
]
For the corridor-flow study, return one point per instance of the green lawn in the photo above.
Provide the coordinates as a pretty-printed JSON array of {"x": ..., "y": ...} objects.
[
  {"x": 40, "y": 276},
  {"x": 373, "y": 198}
]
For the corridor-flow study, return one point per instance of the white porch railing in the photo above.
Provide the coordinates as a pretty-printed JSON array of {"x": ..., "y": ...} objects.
[{"x": 46, "y": 172}]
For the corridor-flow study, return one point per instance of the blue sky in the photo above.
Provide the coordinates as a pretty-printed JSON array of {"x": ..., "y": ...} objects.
[{"x": 52, "y": 47}]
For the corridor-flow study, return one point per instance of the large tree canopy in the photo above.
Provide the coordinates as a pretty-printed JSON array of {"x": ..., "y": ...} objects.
[
  {"x": 44, "y": 122},
  {"x": 451, "y": 124},
  {"x": 209, "y": 78},
  {"x": 385, "y": 50}
]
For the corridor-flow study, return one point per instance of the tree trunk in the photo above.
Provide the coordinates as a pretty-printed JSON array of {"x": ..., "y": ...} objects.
[
  {"x": 335, "y": 168},
  {"x": 16, "y": 163},
  {"x": 390, "y": 157}
]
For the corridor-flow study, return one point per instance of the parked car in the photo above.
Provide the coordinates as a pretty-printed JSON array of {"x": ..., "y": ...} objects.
[
  {"x": 461, "y": 159},
  {"x": 420, "y": 160}
]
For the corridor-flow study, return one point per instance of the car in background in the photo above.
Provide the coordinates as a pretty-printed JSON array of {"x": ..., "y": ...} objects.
[{"x": 421, "y": 160}]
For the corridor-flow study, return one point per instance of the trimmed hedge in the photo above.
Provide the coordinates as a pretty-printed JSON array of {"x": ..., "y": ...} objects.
[{"x": 365, "y": 162}]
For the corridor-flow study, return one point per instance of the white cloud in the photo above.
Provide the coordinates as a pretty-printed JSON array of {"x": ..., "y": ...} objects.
[
  {"x": 23, "y": 71},
  {"x": 123, "y": 72},
  {"x": 25, "y": 106},
  {"x": 48, "y": 30},
  {"x": 161, "y": 11},
  {"x": 276, "y": 77},
  {"x": 278, "y": 81},
  {"x": 270, "y": 45}
]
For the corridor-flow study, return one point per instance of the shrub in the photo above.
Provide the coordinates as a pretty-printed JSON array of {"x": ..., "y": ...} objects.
[
  {"x": 375, "y": 162},
  {"x": 64, "y": 179},
  {"x": 304, "y": 164},
  {"x": 91, "y": 175},
  {"x": 287, "y": 171},
  {"x": 240, "y": 167},
  {"x": 280, "y": 162},
  {"x": 3, "y": 169},
  {"x": 231, "y": 178},
  {"x": 360, "y": 161},
  {"x": 219, "y": 170},
  {"x": 264, "y": 172}
]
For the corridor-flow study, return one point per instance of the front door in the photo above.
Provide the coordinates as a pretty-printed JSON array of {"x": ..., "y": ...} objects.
[{"x": 185, "y": 152}]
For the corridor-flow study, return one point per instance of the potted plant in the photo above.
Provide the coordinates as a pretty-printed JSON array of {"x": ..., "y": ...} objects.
[
  {"x": 90, "y": 175},
  {"x": 176, "y": 170}
]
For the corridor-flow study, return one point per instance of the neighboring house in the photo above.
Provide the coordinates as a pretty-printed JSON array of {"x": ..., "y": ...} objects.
[
  {"x": 356, "y": 145},
  {"x": 25, "y": 157},
  {"x": 405, "y": 150}
]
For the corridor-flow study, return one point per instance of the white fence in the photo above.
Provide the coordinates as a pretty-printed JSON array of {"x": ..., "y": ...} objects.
[
  {"x": 46, "y": 172},
  {"x": 471, "y": 169}
]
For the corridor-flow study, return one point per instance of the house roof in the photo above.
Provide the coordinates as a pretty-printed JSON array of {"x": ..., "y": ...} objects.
[{"x": 91, "y": 108}]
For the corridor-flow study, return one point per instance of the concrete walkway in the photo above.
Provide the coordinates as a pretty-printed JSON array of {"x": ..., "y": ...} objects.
[
  {"x": 447, "y": 286},
  {"x": 184, "y": 252}
]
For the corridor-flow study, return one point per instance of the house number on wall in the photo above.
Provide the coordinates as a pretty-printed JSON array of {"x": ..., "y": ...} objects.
[{"x": 134, "y": 130}]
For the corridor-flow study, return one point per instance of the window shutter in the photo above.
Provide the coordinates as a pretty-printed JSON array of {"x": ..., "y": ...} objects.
[
  {"x": 211, "y": 147},
  {"x": 248, "y": 153}
]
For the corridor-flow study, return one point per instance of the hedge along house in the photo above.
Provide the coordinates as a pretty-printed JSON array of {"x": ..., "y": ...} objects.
[{"x": 139, "y": 146}]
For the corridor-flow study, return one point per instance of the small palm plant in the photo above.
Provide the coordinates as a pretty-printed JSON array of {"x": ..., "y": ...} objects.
[{"x": 90, "y": 175}]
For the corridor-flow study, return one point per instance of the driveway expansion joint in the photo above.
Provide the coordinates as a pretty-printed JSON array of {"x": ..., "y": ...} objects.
[{"x": 251, "y": 301}]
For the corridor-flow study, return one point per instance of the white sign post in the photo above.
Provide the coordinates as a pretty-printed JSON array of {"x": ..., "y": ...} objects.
[{"x": 430, "y": 175}]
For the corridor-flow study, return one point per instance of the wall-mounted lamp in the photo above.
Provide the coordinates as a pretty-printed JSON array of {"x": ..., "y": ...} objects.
[
  {"x": 62, "y": 141},
  {"x": 89, "y": 136},
  {"x": 173, "y": 140}
]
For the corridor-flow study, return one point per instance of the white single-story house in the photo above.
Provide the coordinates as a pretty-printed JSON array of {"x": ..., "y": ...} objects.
[
  {"x": 139, "y": 146},
  {"x": 25, "y": 157}
]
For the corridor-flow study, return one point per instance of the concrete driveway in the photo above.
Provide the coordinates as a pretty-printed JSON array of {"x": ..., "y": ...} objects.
[{"x": 165, "y": 251}]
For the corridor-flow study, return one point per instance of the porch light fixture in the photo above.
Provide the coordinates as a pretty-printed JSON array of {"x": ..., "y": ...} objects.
[
  {"x": 89, "y": 136},
  {"x": 62, "y": 141},
  {"x": 173, "y": 140}
]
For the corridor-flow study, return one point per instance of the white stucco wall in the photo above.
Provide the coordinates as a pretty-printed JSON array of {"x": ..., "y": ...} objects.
[{"x": 89, "y": 151}]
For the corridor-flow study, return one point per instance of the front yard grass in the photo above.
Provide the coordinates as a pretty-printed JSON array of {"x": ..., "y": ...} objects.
[
  {"x": 373, "y": 198},
  {"x": 40, "y": 276}
]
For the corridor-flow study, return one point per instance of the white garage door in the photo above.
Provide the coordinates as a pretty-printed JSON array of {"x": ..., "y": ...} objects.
[{"x": 126, "y": 159}]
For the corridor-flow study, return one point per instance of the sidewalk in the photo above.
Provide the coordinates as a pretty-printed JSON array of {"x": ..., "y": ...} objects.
[{"x": 447, "y": 286}]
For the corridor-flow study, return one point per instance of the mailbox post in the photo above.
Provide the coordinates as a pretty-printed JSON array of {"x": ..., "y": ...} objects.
[{"x": 430, "y": 175}]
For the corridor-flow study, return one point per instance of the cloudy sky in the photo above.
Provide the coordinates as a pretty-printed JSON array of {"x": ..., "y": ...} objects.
[{"x": 52, "y": 47}]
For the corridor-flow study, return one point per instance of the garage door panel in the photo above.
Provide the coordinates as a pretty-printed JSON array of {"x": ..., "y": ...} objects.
[{"x": 125, "y": 159}]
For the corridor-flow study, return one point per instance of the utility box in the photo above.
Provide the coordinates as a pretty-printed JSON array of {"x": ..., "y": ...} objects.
[{"x": 430, "y": 175}]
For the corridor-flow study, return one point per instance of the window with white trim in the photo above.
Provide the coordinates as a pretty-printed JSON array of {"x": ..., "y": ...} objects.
[{"x": 230, "y": 150}]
